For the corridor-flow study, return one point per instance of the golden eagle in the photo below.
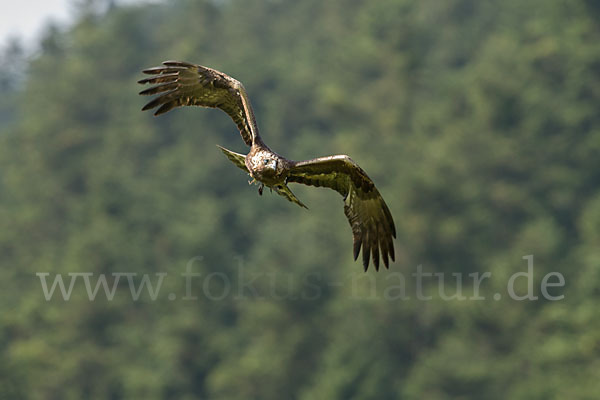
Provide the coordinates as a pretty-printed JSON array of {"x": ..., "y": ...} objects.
[{"x": 184, "y": 84}]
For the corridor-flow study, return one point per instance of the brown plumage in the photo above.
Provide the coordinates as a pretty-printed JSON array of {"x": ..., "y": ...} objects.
[{"x": 183, "y": 84}]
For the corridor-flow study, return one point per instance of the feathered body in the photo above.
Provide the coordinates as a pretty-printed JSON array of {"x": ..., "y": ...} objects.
[{"x": 184, "y": 84}]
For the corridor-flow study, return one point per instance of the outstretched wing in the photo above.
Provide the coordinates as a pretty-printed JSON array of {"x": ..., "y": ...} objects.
[
  {"x": 371, "y": 221},
  {"x": 184, "y": 84}
]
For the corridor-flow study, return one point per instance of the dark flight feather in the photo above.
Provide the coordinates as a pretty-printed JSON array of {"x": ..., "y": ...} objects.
[
  {"x": 372, "y": 225},
  {"x": 185, "y": 84}
]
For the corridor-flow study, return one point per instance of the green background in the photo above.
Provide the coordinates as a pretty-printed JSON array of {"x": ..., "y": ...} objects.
[{"x": 478, "y": 120}]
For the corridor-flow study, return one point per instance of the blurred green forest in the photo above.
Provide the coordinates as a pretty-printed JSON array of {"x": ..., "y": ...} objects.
[{"x": 478, "y": 120}]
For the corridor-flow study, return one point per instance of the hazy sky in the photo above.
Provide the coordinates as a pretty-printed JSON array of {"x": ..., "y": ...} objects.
[{"x": 26, "y": 18}]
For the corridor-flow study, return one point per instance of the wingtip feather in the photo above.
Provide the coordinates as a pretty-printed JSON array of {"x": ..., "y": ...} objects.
[
  {"x": 386, "y": 261},
  {"x": 153, "y": 70},
  {"x": 366, "y": 252},
  {"x": 166, "y": 107},
  {"x": 375, "y": 253},
  {"x": 174, "y": 63},
  {"x": 357, "y": 244},
  {"x": 147, "y": 106}
]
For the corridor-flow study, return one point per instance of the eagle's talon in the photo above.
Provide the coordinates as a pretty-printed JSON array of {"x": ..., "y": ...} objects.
[{"x": 260, "y": 189}]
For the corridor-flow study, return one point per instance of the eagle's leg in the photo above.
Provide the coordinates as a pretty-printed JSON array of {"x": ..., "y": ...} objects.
[{"x": 260, "y": 188}]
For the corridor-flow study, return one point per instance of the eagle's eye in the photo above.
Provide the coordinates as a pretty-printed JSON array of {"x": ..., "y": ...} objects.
[{"x": 266, "y": 161}]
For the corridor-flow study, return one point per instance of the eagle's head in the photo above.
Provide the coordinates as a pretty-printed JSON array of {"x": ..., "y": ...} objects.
[
  {"x": 264, "y": 166},
  {"x": 268, "y": 167},
  {"x": 269, "y": 164}
]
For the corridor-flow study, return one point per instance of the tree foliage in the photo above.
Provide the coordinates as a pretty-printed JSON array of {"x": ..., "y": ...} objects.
[{"x": 477, "y": 120}]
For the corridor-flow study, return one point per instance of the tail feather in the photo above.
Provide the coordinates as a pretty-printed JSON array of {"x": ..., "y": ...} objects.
[{"x": 285, "y": 192}]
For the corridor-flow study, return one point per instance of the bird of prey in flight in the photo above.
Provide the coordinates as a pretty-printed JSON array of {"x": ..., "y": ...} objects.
[{"x": 184, "y": 84}]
